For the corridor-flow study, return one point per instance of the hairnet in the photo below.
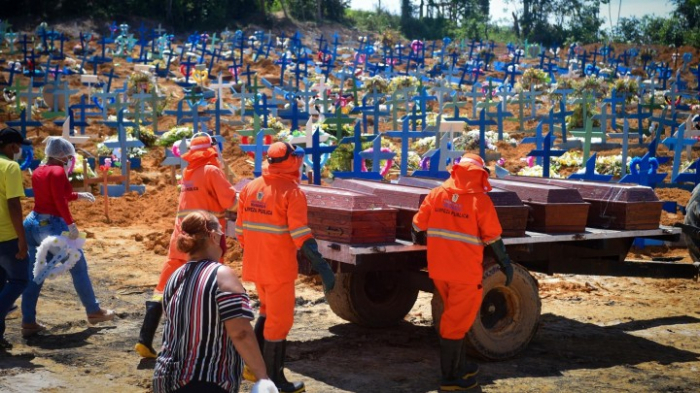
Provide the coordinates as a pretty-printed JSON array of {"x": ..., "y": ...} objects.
[{"x": 58, "y": 147}]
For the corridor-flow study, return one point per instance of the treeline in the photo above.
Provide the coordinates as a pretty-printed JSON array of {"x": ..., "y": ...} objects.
[
  {"x": 179, "y": 15},
  {"x": 550, "y": 22}
]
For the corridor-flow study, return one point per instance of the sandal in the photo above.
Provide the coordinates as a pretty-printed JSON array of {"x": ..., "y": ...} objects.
[
  {"x": 100, "y": 316},
  {"x": 32, "y": 329}
]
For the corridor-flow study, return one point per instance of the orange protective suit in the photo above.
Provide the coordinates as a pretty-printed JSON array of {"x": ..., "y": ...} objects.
[
  {"x": 460, "y": 220},
  {"x": 204, "y": 187},
  {"x": 271, "y": 227}
]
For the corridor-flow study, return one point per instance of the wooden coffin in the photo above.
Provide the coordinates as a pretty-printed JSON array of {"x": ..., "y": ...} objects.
[
  {"x": 613, "y": 206},
  {"x": 406, "y": 200},
  {"x": 512, "y": 214},
  {"x": 347, "y": 216},
  {"x": 554, "y": 209}
]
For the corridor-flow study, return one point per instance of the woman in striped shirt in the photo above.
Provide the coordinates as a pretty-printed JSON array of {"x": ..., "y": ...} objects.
[{"x": 207, "y": 333}]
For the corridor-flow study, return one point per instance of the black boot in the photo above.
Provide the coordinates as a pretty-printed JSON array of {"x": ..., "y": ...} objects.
[
  {"x": 466, "y": 368},
  {"x": 154, "y": 310},
  {"x": 258, "y": 329},
  {"x": 273, "y": 354},
  {"x": 450, "y": 356}
]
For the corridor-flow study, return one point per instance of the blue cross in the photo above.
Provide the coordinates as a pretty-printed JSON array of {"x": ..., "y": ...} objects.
[
  {"x": 406, "y": 135},
  {"x": 357, "y": 139},
  {"x": 677, "y": 143},
  {"x": 294, "y": 114},
  {"x": 590, "y": 174},
  {"x": 122, "y": 143},
  {"x": 372, "y": 110},
  {"x": 482, "y": 123},
  {"x": 546, "y": 152},
  {"x": 258, "y": 148},
  {"x": 646, "y": 174},
  {"x": 317, "y": 151},
  {"x": 82, "y": 121},
  {"x": 23, "y": 122},
  {"x": 625, "y": 145}
]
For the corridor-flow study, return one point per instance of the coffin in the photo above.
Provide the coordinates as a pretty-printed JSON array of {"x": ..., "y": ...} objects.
[
  {"x": 406, "y": 200},
  {"x": 613, "y": 206},
  {"x": 346, "y": 216},
  {"x": 512, "y": 214},
  {"x": 554, "y": 209}
]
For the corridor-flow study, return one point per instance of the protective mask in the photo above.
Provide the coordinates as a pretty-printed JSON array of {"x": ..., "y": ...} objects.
[
  {"x": 17, "y": 156},
  {"x": 222, "y": 244}
]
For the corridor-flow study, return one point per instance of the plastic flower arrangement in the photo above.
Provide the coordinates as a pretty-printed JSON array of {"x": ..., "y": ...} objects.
[
  {"x": 422, "y": 145},
  {"x": 173, "y": 135},
  {"x": 533, "y": 78},
  {"x": 378, "y": 82},
  {"x": 611, "y": 165},
  {"x": 401, "y": 82},
  {"x": 78, "y": 173}
]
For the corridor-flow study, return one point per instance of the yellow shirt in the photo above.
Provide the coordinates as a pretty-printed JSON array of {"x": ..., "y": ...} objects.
[{"x": 10, "y": 187}]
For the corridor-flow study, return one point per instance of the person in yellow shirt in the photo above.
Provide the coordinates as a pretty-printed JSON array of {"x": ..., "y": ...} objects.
[{"x": 13, "y": 245}]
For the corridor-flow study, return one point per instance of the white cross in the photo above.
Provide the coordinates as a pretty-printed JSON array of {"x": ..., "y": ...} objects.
[
  {"x": 321, "y": 88},
  {"x": 89, "y": 79},
  {"x": 159, "y": 30},
  {"x": 219, "y": 86},
  {"x": 76, "y": 140}
]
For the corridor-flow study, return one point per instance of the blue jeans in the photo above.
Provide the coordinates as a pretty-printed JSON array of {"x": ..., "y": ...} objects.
[
  {"x": 14, "y": 273},
  {"x": 38, "y": 227}
]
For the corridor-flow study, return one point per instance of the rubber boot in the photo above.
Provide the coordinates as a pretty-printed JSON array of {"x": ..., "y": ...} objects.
[
  {"x": 450, "y": 356},
  {"x": 154, "y": 310},
  {"x": 258, "y": 330},
  {"x": 466, "y": 368},
  {"x": 273, "y": 354}
]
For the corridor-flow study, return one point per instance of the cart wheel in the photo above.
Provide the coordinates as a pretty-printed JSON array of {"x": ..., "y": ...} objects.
[
  {"x": 372, "y": 299},
  {"x": 508, "y": 318},
  {"x": 692, "y": 217}
]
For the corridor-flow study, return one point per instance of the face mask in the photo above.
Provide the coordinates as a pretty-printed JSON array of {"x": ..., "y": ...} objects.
[
  {"x": 222, "y": 244},
  {"x": 17, "y": 156},
  {"x": 66, "y": 166}
]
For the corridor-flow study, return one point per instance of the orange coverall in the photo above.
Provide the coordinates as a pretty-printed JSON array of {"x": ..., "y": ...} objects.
[
  {"x": 271, "y": 227},
  {"x": 460, "y": 220},
  {"x": 204, "y": 187}
]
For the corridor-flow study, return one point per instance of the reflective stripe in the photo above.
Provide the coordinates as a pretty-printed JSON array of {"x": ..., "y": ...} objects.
[
  {"x": 450, "y": 235},
  {"x": 184, "y": 213},
  {"x": 415, "y": 227},
  {"x": 266, "y": 228},
  {"x": 239, "y": 230},
  {"x": 301, "y": 231}
]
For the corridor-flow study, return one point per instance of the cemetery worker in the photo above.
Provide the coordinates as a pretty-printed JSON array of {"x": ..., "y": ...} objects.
[
  {"x": 204, "y": 187},
  {"x": 51, "y": 216},
  {"x": 271, "y": 226},
  {"x": 13, "y": 243},
  {"x": 459, "y": 219},
  {"x": 207, "y": 333}
]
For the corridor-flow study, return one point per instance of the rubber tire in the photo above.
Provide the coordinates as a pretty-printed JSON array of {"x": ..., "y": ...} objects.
[
  {"x": 356, "y": 298},
  {"x": 692, "y": 217},
  {"x": 506, "y": 337}
]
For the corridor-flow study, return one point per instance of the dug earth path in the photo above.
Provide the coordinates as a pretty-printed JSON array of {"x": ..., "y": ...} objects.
[{"x": 596, "y": 334}]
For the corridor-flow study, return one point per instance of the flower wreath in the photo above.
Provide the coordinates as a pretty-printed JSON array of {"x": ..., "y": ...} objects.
[{"x": 66, "y": 254}]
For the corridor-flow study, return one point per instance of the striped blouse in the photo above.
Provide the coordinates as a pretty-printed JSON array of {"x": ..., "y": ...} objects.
[{"x": 195, "y": 344}]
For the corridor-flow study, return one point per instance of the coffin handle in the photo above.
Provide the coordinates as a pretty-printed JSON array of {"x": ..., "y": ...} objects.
[{"x": 333, "y": 231}]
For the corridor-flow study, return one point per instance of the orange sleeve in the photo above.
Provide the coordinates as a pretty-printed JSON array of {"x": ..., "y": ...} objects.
[
  {"x": 489, "y": 227},
  {"x": 297, "y": 218},
  {"x": 223, "y": 190},
  {"x": 422, "y": 218},
  {"x": 239, "y": 217}
]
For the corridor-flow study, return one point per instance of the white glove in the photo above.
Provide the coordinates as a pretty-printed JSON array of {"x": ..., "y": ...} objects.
[
  {"x": 86, "y": 196},
  {"x": 264, "y": 386},
  {"x": 73, "y": 231}
]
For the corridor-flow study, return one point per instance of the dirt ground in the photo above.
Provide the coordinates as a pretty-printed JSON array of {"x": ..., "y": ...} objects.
[{"x": 595, "y": 334}]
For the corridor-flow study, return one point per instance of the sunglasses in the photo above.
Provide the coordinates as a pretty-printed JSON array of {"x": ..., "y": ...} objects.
[{"x": 290, "y": 151}]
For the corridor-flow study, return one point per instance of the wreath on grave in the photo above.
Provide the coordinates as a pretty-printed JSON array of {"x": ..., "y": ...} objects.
[
  {"x": 65, "y": 254},
  {"x": 141, "y": 82}
]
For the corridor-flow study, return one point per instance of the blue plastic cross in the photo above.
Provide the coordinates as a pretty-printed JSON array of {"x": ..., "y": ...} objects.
[
  {"x": 646, "y": 174},
  {"x": 677, "y": 143},
  {"x": 590, "y": 174},
  {"x": 482, "y": 123},
  {"x": 546, "y": 153}
]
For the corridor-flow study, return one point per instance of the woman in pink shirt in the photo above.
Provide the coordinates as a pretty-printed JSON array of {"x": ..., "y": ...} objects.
[{"x": 51, "y": 217}]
